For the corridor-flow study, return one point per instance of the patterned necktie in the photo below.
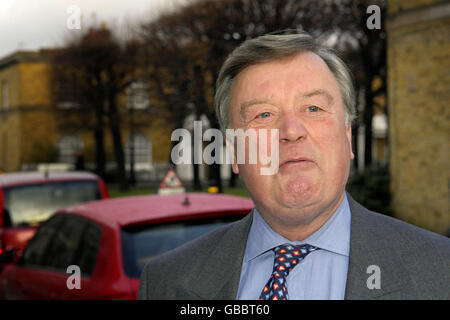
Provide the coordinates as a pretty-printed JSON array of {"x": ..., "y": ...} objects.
[{"x": 287, "y": 256}]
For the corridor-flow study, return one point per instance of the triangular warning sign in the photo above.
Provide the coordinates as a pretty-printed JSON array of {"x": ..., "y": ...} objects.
[
  {"x": 171, "y": 183},
  {"x": 171, "y": 180}
]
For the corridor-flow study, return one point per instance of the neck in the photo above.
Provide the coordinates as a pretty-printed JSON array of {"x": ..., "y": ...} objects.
[{"x": 300, "y": 225}]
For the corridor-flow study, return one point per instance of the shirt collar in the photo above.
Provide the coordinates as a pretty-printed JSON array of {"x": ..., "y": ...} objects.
[{"x": 334, "y": 235}]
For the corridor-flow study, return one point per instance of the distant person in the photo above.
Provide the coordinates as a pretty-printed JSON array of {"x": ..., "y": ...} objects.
[
  {"x": 306, "y": 237},
  {"x": 79, "y": 162}
]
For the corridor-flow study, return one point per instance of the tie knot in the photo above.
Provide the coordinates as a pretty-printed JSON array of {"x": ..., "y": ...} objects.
[{"x": 287, "y": 256}]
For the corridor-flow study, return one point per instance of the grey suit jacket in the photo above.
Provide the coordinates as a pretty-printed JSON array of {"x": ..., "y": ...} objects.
[{"x": 414, "y": 263}]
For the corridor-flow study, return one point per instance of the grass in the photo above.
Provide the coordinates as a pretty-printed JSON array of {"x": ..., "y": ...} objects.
[
  {"x": 114, "y": 192},
  {"x": 242, "y": 192}
]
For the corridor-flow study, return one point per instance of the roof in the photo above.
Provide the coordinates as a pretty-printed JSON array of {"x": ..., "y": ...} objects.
[
  {"x": 137, "y": 210},
  {"x": 24, "y": 56},
  {"x": 35, "y": 176}
]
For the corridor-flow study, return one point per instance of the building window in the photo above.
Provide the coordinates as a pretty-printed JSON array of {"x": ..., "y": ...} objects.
[
  {"x": 68, "y": 145},
  {"x": 67, "y": 92},
  {"x": 68, "y": 105},
  {"x": 137, "y": 96},
  {"x": 142, "y": 149}
]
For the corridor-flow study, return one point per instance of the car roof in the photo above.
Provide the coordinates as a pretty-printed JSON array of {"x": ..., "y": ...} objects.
[
  {"x": 137, "y": 210},
  {"x": 37, "y": 176}
]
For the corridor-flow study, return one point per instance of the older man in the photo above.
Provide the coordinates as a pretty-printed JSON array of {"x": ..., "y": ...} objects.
[{"x": 306, "y": 238}]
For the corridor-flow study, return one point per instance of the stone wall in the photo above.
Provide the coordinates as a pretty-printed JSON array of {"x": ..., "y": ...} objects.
[
  {"x": 419, "y": 112},
  {"x": 10, "y": 119},
  {"x": 29, "y": 130}
]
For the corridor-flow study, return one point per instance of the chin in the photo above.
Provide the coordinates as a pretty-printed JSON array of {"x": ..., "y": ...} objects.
[{"x": 298, "y": 193}]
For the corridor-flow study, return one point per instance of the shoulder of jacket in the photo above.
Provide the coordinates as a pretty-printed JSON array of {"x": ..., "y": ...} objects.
[
  {"x": 399, "y": 233},
  {"x": 193, "y": 251}
]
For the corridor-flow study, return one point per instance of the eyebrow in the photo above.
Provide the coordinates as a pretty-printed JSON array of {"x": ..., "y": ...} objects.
[
  {"x": 318, "y": 92},
  {"x": 244, "y": 105}
]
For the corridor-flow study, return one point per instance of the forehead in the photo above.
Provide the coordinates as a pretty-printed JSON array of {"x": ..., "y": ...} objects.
[{"x": 280, "y": 79}]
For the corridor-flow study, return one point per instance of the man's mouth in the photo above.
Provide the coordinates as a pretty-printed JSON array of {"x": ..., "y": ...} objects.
[{"x": 295, "y": 162}]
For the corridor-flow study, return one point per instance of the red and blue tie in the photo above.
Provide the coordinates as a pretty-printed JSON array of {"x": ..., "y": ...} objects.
[{"x": 287, "y": 256}]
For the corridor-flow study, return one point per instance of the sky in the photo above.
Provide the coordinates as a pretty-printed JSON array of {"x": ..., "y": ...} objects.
[{"x": 35, "y": 24}]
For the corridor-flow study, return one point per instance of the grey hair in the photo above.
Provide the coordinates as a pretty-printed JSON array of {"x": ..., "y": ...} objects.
[{"x": 271, "y": 47}]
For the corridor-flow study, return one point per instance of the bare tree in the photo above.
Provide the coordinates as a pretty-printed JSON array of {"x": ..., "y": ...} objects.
[
  {"x": 90, "y": 73},
  {"x": 186, "y": 47}
]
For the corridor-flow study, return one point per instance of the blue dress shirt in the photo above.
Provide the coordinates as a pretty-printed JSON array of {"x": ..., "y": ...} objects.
[{"x": 321, "y": 275}]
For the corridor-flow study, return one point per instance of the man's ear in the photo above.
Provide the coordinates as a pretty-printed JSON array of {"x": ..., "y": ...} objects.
[
  {"x": 235, "y": 168},
  {"x": 231, "y": 151},
  {"x": 349, "y": 138}
]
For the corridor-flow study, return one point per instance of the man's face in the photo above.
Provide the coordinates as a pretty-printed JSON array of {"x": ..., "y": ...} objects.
[{"x": 300, "y": 97}]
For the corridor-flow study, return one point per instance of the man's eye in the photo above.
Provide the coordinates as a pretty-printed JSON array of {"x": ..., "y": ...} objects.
[
  {"x": 313, "y": 108},
  {"x": 264, "y": 115}
]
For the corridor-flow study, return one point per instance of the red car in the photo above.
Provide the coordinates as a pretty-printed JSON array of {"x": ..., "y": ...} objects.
[
  {"x": 29, "y": 198},
  {"x": 109, "y": 241}
]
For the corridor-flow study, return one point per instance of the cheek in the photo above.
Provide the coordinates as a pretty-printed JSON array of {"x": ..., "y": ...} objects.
[
  {"x": 258, "y": 185},
  {"x": 268, "y": 142},
  {"x": 334, "y": 146}
]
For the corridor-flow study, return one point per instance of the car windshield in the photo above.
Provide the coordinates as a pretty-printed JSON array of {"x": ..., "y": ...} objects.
[
  {"x": 143, "y": 243},
  {"x": 29, "y": 205}
]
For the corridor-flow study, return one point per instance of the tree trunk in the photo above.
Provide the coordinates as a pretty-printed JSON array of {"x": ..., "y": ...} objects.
[
  {"x": 114, "y": 123},
  {"x": 233, "y": 178},
  {"x": 100, "y": 158},
  {"x": 197, "y": 183},
  {"x": 196, "y": 167},
  {"x": 214, "y": 170},
  {"x": 368, "y": 114},
  {"x": 214, "y": 176}
]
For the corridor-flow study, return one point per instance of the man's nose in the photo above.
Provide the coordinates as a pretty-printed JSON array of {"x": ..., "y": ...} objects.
[{"x": 291, "y": 128}]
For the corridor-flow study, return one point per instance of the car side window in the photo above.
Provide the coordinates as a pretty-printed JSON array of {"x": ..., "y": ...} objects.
[
  {"x": 87, "y": 255},
  {"x": 34, "y": 253},
  {"x": 63, "y": 248}
]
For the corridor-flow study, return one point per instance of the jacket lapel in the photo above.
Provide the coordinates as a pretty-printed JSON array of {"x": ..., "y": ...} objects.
[
  {"x": 221, "y": 271},
  {"x": 371, "y": 244}
]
